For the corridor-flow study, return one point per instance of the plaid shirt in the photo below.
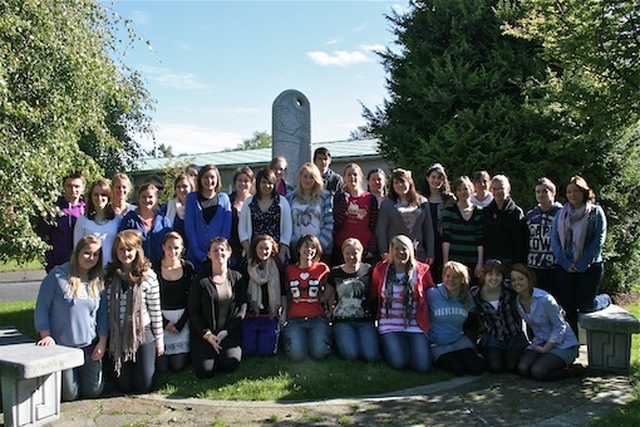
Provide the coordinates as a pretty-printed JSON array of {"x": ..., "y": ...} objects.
[{"x": 501, "y": 323}]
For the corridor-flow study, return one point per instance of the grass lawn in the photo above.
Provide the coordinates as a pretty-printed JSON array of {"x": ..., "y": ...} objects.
[
  {"x": 14, "y": 266},
  {"x": 274, "y": 378}
]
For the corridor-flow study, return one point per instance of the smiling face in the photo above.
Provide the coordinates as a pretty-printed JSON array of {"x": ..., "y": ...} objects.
[
  {"x": 575, "y": 195},
  {"x": 120, "y": 188},
  {"x": 352, "y": 179},
  {"x": 401, "y": 187},
  {"x": 500, "y": 193},
  {"x": 452, "y": 282},
  {"x": 520, "y": 283},
  {"x": 182, "y": 188},
  {"x": 308, "y": 252},
  {"x": 243, "y": 184},
  {"x": 351, "y": 255},
  {"x": 99, "y": 198},
  {"x": 280, "y": 169},
  {"x": 209, "y": 181},
  {"x": 172, "y": 249},
  {"x": 264, "y": 250},
  {"x": 126, "y": 254},
  {"x": 435, "y": 181},
  {"x": 463, "y": 192},
  {"x": 493, "y": 279},
  {"x": 88, "y": 257},
  {"x": 376, "y": 183},
  {"x": 266, "y": 187},
  {"x": 544, "y": 195},
  {"x": 147, "y": 200},
  {"x": 307, "y": 182}
]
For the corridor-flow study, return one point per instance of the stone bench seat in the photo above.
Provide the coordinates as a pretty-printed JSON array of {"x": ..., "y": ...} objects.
[
  {"x": 31, "y": 378},
  {"x": 609, "y": 333}
]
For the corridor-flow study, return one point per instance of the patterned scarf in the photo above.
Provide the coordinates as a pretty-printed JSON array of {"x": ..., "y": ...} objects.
[
  {"x": 572, "y": 228},
  {"x": 126, "y": 329},
  {"x": 407, "y": 292},
  {"x": 269, "y": 275}
]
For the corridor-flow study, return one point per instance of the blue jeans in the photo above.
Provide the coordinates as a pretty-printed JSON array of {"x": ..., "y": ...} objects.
[
  {"x": 84, "y": 381},
  {"x": 357, "y": 340},
  {"x": 406, "y": 350},
  {"x": 303, "y": 335}
]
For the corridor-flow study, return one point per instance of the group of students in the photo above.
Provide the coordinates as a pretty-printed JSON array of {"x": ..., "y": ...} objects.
[{"x": 418, "y": 277}]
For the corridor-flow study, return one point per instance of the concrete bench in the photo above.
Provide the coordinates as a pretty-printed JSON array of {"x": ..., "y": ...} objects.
[
  {"x": 31, "y": 378},
  {"x": 609, "y": 333}
]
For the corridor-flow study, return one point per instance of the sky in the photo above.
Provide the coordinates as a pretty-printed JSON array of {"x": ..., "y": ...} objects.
[{"x": 215, "y": 67}]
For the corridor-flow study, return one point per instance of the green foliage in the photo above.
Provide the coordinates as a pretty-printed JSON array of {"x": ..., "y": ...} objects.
[
  {"x": 59, "y": 85},
  {"x": 257, "y": 140},
  {"x": 511, "y": 87}
]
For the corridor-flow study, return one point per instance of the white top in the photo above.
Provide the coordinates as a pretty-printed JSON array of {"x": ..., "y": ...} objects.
[{"x": 107, "y": 233}]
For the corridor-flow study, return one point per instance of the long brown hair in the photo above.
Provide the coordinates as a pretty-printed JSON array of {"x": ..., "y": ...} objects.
[
  {"x": 109, "y": 213},
  {"x": 131, "y": 239},
  {"x": 404, "y": 175}
]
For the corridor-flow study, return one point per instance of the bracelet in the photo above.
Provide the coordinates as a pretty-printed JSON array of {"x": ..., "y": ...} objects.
[{"x": 207, "y": 335}]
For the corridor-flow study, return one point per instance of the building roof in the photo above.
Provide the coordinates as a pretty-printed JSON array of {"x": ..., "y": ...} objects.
[{"x": 344, "y": 150}]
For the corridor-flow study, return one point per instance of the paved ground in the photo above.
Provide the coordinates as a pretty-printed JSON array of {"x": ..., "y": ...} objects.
[{"x": 495, "y": 400}]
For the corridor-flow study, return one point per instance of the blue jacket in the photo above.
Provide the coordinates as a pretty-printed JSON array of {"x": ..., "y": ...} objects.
[
  {"x": 593, "y": 244},
  {"x": 151, "y": 239},
  {"x": 199, "y": 233},
  {"x": 74, "y": 322}
]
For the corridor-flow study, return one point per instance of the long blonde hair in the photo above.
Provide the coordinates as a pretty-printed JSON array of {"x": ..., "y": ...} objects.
[
  {"x": 95, "y": 284},
  {"x": 318, "y": 187}
]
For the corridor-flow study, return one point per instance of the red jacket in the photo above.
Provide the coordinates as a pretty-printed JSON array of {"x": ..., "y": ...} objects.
[{"x": 423, "y": 282}]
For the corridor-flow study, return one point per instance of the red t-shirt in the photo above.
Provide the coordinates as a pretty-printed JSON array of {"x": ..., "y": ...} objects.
[
  {"x": 356, "y": 220},
  {"x": 305, "y": 289}
]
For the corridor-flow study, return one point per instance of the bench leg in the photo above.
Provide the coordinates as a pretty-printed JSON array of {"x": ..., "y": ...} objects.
[
  {"x": 31, "y": 402},
  {"x": 609, "y": 351}
]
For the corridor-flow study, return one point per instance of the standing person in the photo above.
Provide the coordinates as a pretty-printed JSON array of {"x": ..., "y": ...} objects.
[
  {"x": 406, "y": 212},
  {"x": 307, "y": 330},
  {"x": 243, "y": 188},
  {"x": 462, "y": 229},
  {"x": 136, "y": 334},
  {"x": 267, "y": 298},
  {"x": 175, "y": 208},
  {"x": 482, "y": 185},
  {"x": 577, "y": 239},
  {"x": 332, "y": 181},
  {"x": 192, "y": 170},
  {"x": 207, "y": 215},
  {"x": 437, "y": 190},
  {"x": 217, "y": 305},
  {"x": 505, "y": 235},
  {"x": 539, "y": 221},
  {"x": 71, "y": 310},
  {"x": 449, "y": 306},
  {"x": 501, "y": 338},
  {"x": 266, "y": 212},
  {"x": 174, "y": 275},
  {"x": 279, "y": 166},
  {"x": 554, "y": 346},
  {"x": 99, "y": 219},
  {"x": 355, "y": 214},
  {"x": 311, "y": 209},
  {"x": 398, "y": 287},
  {"x": 121, "y": 188},
  {"x": 349, "y": 287},
  {"x": 58, "y": 232},
  {"x": 377, "y": 184},
  {"x": 149, "y": 220}
]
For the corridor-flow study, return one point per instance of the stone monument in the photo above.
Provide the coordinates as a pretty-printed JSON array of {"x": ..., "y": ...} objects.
[{"x": 291, "y": 130}]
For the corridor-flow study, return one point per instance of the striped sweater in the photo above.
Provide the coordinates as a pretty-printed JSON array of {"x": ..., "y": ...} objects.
[{"x": 463, "y": 236}]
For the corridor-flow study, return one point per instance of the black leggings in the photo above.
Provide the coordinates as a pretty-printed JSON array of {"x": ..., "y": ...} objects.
[
  {"x": 206, "y": 361},
  {"x": 499, "y": 360},
  {"x": 460, "y": 362},
  {"x": 175, "y": 362},
  {"x": 542, "y": 367}
]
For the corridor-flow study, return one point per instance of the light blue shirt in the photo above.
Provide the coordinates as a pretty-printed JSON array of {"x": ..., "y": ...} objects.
[{"x": 547, "y": 321}]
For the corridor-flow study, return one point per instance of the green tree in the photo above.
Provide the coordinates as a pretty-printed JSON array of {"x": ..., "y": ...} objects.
[
  {"x": 59, "y": 84},
  {"x": 455, "y": 95},
  {"x": 257, "y": 140},
  {"x": 489, "y": 84},
  {"x": 593, "y": 91}
]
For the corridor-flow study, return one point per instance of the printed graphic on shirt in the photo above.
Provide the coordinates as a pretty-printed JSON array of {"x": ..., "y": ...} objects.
[
  {"x": 306, "y": 219},
  {"x": 351, "y": 296},
  {"x": 304, "y": 289},
  {"x": 356, "y": 212},
  {"x": 540, "y": 253}
]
